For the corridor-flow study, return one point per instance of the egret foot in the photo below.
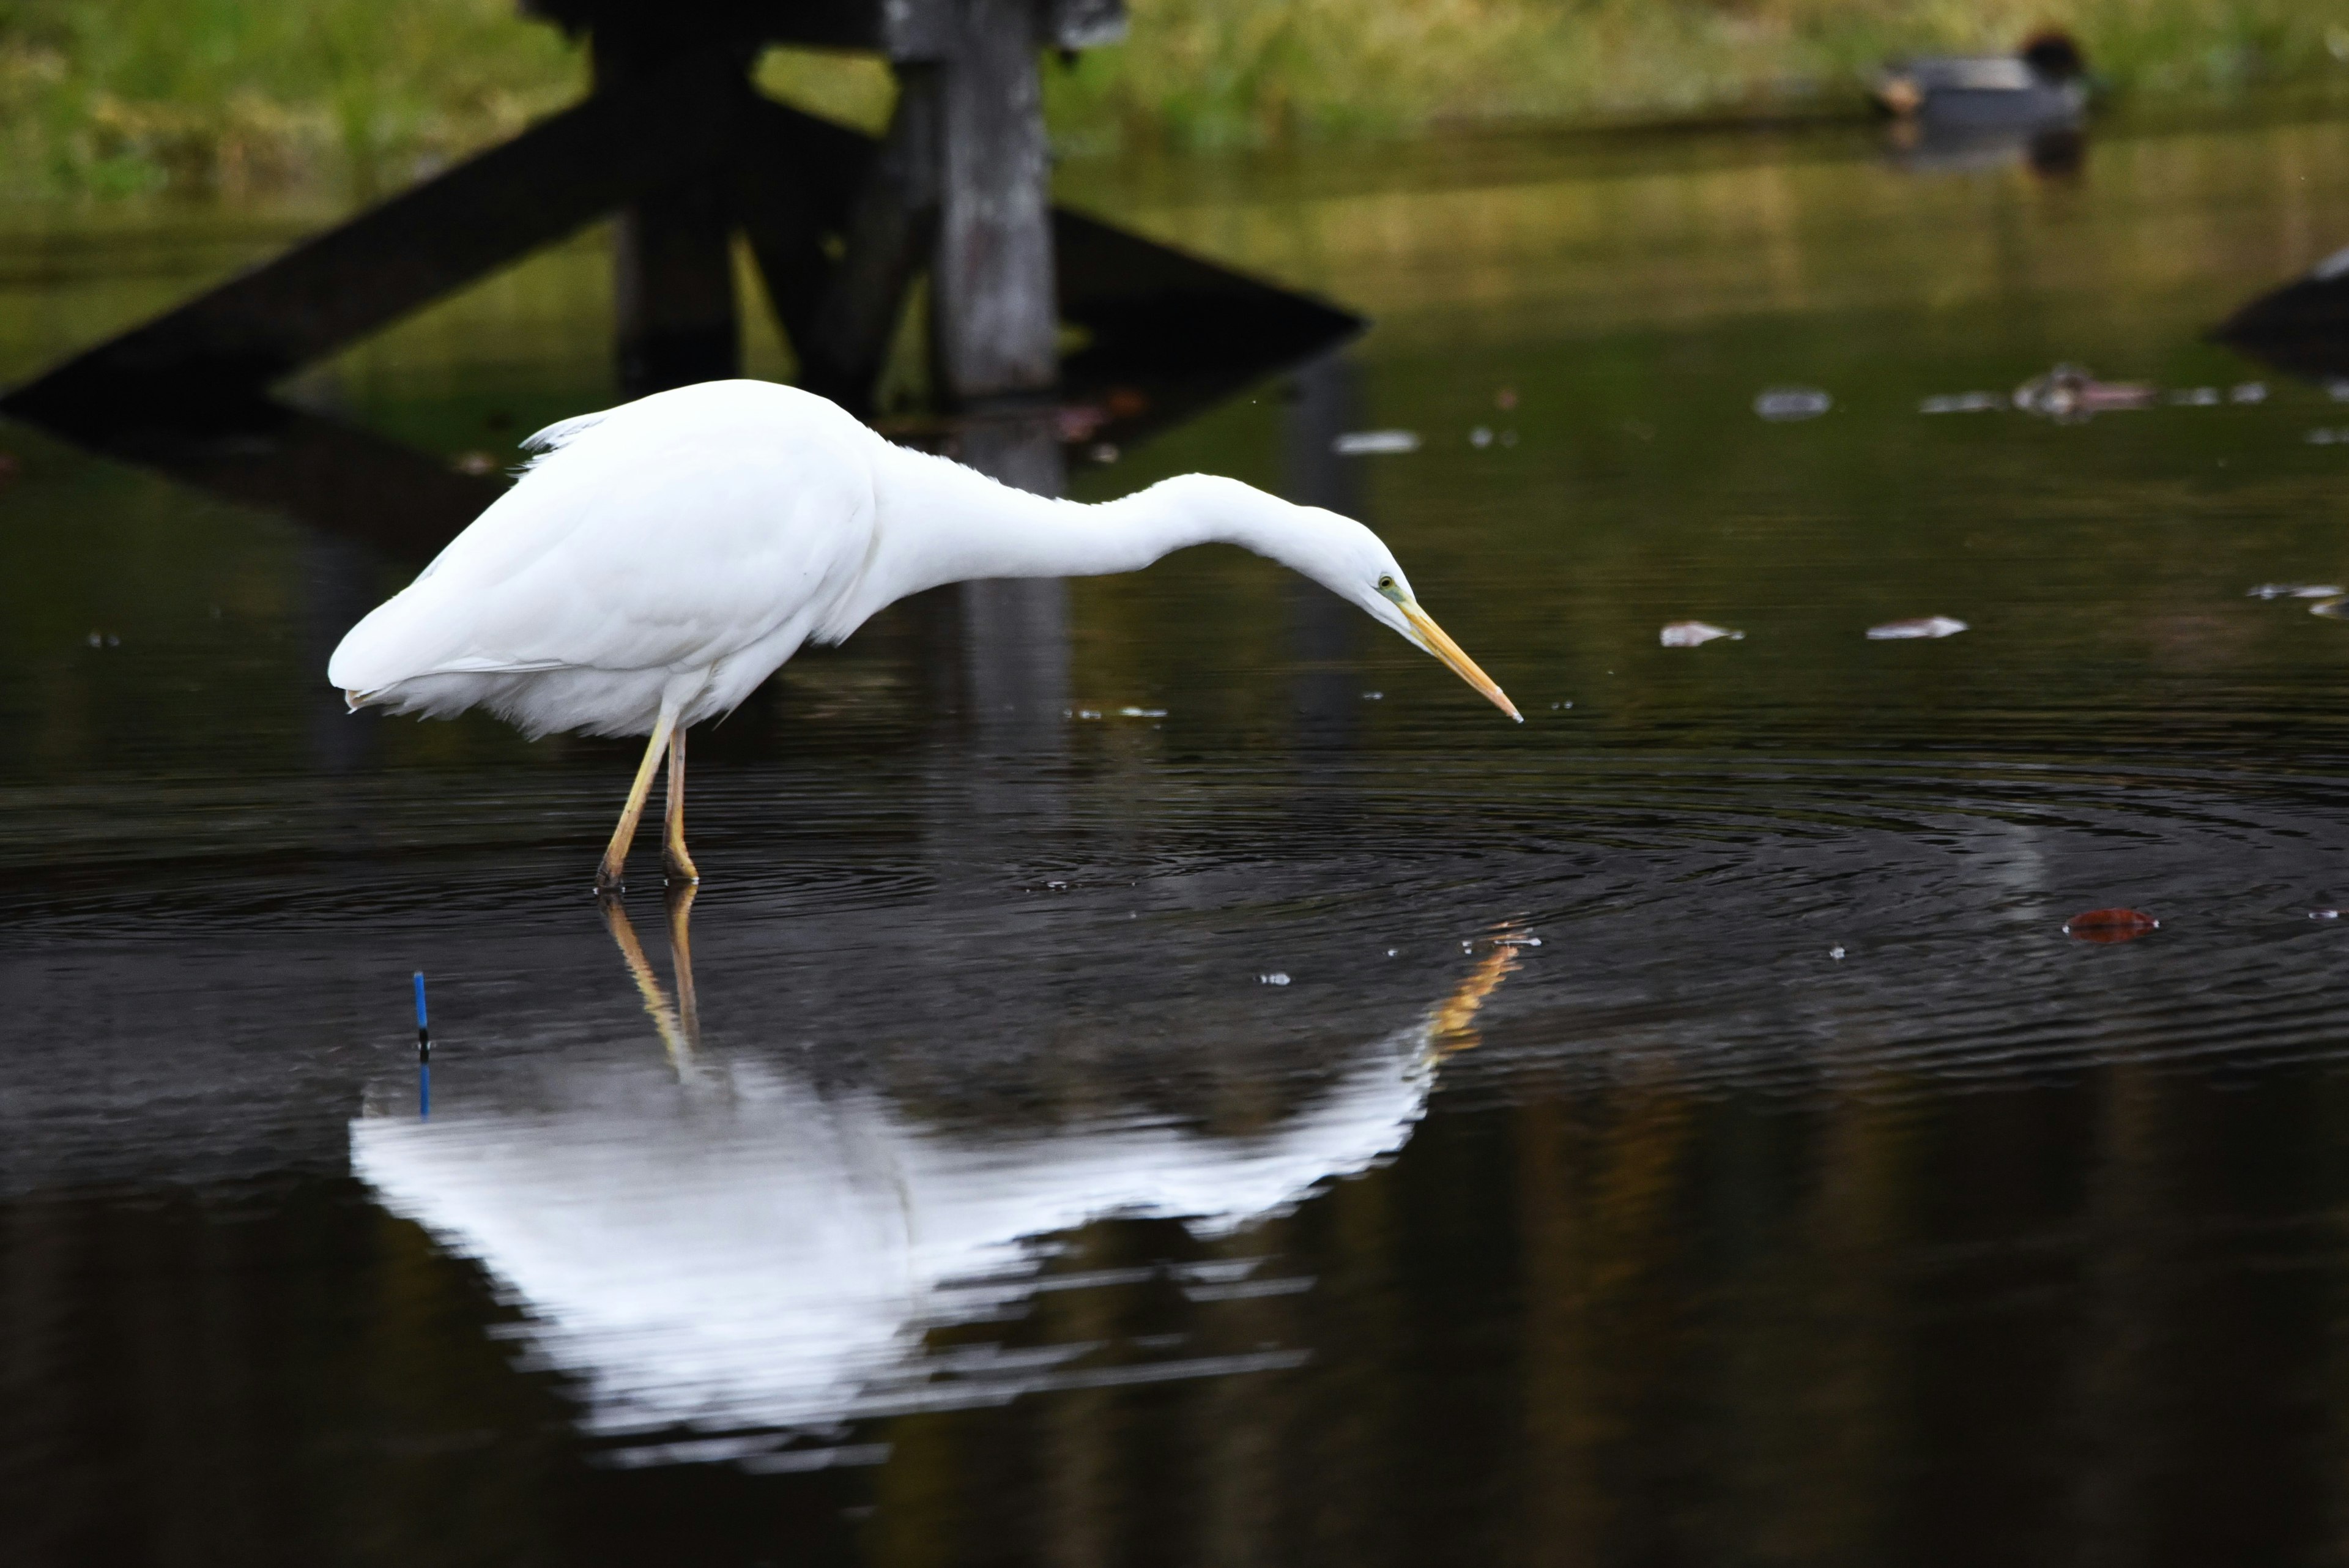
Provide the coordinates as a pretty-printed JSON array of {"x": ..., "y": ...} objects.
[{"x": 611, "y": 874}]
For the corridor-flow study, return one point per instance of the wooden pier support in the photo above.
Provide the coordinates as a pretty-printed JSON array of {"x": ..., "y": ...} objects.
[
  {"x": 993, "y": 325},
  {"x": 675, "y": 141}
]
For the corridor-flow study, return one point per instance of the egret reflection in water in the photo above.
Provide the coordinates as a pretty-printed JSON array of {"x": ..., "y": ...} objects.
[{"x": 741, "y": 1248}]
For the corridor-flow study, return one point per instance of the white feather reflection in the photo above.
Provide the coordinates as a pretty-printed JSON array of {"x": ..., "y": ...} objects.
[{"x": 770, "y": 1256}]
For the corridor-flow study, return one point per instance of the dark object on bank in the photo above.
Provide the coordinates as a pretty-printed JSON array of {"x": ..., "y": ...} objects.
[
  {"x": 2041, "y": 85},
  {"x": 2302, "y": 327}
]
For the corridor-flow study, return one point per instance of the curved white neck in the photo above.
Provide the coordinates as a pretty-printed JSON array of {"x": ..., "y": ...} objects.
[{"x": 942, "y": 523}]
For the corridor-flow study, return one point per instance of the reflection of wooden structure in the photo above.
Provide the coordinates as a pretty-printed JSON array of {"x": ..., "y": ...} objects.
[{"x": 674, "y": 139}]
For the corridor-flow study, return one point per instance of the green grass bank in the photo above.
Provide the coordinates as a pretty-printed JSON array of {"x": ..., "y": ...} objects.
[{"x": 117, "y": 97}]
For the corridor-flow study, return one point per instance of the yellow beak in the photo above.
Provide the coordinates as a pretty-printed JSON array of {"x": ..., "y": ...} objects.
[{"x": 1432, "y": 637}]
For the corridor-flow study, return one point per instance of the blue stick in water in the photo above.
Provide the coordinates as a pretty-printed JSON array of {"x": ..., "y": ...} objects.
[{"x": 423, "y": 1055}]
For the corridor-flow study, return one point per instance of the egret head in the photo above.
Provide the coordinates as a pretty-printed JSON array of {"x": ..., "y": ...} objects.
[{"x": 1353, "y": 563}]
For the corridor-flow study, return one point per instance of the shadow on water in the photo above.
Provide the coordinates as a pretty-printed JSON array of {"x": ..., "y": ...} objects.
[{"x": 1052, "y": 1137}]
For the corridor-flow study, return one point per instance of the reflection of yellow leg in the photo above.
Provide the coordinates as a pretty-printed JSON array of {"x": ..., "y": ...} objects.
[
  {"x": 677, "y": 1036},
  {"x": 616, "y": 859},
  {"x": 680, "y": 958},
  {"x": 1452, "y": 1029},
  {"x": 674, "y": 859}
]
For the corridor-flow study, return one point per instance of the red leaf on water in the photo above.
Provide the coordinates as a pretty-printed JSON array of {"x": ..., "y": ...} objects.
[{"x": 2110, "y": 926}]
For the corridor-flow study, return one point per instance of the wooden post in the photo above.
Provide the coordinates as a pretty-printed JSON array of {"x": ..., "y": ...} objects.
[
  {"x": 672, "y": 249},
  {"x": 994, "y": 325},
  {"x": 1324, "y": 404}
]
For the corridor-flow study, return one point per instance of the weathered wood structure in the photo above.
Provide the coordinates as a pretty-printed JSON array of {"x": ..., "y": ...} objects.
[{"x": 677, "y": 142}]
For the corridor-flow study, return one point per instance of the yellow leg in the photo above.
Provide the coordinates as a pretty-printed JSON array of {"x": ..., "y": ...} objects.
[
  {"x": 616, "y": 859},
  {"x": 674, "y": 858}
]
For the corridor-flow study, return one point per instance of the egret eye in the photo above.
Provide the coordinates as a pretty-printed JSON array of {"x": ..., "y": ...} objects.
[{"x": 1386, "y": 584}]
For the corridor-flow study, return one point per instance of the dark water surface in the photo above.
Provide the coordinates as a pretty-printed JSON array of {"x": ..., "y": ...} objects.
[{"x": 1323, "y": 1123}]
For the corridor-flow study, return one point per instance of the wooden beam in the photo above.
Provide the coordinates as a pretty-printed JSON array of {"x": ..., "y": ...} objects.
[
  {"x": 888, "y": 235},
  {"x": 336, "y": 287},
  {"x": 342, "y": 480},
  {"x": 1144, "y": 302},
  {"x": 673, "y": 246},
  {"x": 785, "y": 221}
]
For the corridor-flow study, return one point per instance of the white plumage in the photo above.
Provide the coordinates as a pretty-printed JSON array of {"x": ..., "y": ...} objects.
[{"x": 657, "y": 561}]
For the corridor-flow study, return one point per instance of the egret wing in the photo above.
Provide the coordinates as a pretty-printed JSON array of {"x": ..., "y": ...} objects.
[{"x": 641, "y": 545}]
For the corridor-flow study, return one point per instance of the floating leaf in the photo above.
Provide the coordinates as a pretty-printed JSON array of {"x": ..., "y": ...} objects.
[
  {"x": 1780, "y": 405},
  {"x": 1922, "y": 626},
  {"x": 1696, "y": 634},
  {"x": 2110, "y": 926}
]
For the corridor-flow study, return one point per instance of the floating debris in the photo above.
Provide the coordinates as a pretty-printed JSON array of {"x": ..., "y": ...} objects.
[
  {"x": 476, "y": 463},
  {"x": 1835, "y": 952},
  {"x": 2331, "y": 610},
  {"x": 1374, "y": 696},
  {"x": 1480, "y": 438},
  {"x": 1505, "y": 398},
  {"x": 1142, "y": 713},
  {"x": 2249, "y": 392},
  {"x": 1554, "y": 707},
  {"x": 1080, "y": 712},
  {"x": 1961, "y": 403},
  {"x": 1370, "y": 443},
  {"x": 2110, "y": 926},
  {"x": 1078, "y": 422},
  {"x": 103, "y": 640},
  {"x": 2323, "y": 914},
  {"x": 2196, "y": 396},
  {"x": 2069, "y": 393},
  {"x": 1694, "y": 634},
  {"x": 1104, "y": 451},
  {"x": 2327, "y": 437},
  {"x": 1275, "y": 977},
  {"x": 2294, "y": 591},
  {"x": 1922, "y": 626},
  {"x": 1508, "y": 438},
  {"x": 1782, "y": 405}
]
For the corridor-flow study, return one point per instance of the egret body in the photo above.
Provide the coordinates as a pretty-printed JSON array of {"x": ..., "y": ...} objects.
[{"x": 656, "y": 562}]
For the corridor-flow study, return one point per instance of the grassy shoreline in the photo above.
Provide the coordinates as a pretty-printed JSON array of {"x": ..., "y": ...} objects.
[{"x": 102, "y": 98}]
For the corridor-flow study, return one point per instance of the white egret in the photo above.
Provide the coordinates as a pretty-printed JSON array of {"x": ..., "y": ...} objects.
[{"x": 658, "y": 560}]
